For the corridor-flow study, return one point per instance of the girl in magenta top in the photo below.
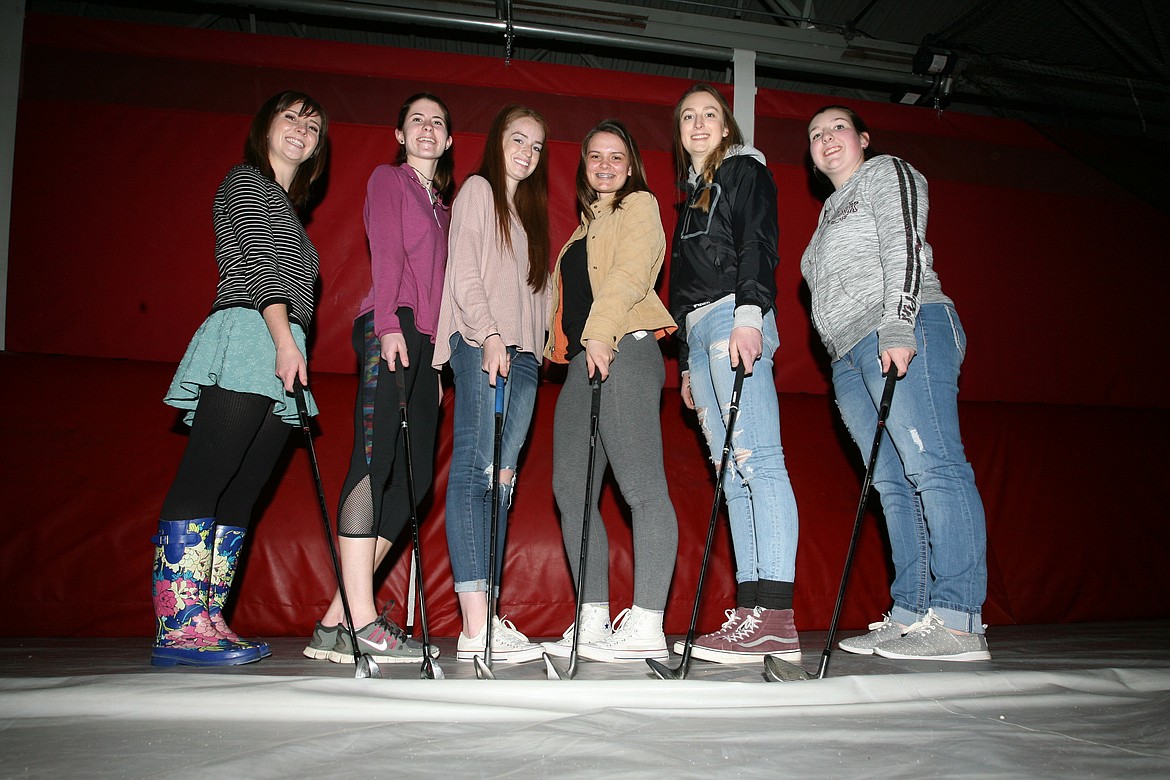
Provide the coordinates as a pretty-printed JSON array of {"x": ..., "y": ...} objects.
[{"x": 407, "y": 218}]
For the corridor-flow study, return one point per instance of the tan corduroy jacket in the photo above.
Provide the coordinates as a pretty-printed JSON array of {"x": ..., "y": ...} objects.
[{"x": 626, "y": 249}]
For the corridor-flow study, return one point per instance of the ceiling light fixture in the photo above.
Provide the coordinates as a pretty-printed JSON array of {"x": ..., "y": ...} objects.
[{"x": 933, "y": 62}]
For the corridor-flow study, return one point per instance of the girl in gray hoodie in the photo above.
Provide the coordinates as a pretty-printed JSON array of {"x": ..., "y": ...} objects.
[{"x": 878, "y": 306}]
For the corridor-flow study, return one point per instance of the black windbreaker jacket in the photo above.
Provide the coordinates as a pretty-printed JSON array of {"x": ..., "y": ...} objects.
[{"x": 729, "y": 249}]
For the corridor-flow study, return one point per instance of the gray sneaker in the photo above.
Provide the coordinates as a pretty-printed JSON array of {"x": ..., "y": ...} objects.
[
  {"x": 864, "y": 644},
  {"x": 321, "y": 645},
  {"x": 929, "y": 640},
  {"x": 383, "y": 641}
]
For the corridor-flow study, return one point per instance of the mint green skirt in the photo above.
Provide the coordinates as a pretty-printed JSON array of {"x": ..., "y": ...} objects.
[{"x": 233, "y": 349}]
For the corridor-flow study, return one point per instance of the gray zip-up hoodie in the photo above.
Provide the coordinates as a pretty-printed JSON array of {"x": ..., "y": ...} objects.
[{"x": 868, "y": 265}]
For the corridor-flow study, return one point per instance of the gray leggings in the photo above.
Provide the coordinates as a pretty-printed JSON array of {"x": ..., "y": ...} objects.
[{"x": 630, "y": 438}]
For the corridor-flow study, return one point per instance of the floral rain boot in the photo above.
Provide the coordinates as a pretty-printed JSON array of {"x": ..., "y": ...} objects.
[
  {"x": 184, "y": 633},
  {"x": 229, "y": 543}
]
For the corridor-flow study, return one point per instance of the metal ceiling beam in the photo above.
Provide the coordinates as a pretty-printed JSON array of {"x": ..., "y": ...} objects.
[{"x": 686, "y": 36}]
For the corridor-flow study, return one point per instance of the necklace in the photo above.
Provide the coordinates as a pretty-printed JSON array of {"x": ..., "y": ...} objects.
[
  {"x": 429, "y": 179},
  {"x": 430, "y": 182}
]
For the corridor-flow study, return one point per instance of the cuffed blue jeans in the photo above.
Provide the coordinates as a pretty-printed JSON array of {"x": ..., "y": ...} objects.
[
  {"x": 933, "y": 510},
  {"x": 760, "y": 503},
  {"x": 469, "y": 482}
]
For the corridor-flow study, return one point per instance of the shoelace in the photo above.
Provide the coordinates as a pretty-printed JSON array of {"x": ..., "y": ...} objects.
[
  {"x": 746, "y": 628},
  {"x": 379, "y": 633},
  {"x": 392, "y": 630},
  {"x": 621, "y": 627},
  {"x": 881, "y": 623},
  {"x": 505, "y": 635},
  {"x": 508, "y": 633},
  {"x": 389, "y": 625},
  {"x": 501, "y": 640},
  {"x": 604, "y": 624},
  {"x": 619, "y": 622},
  {"x": 927, "y": 623},
  {"x": 729, "y": 624}
]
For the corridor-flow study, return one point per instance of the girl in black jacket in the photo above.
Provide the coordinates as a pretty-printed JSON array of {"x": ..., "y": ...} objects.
[{"x": 722, "y": 295}]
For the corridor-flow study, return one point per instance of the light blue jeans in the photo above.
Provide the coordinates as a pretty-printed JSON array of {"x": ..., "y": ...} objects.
[
  {"x": 933, "y": 512},
  {"x": 469, "y": 510},
  {"x": 760, "y": 502}
]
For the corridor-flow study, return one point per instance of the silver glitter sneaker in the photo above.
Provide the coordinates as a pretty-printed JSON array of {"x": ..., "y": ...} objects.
[
  {"x": 930, "y": 640},
  {"x": 879, "y": 632}
]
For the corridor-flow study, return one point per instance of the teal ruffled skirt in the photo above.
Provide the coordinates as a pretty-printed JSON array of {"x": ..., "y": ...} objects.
[{"x": 234, "y": 350}]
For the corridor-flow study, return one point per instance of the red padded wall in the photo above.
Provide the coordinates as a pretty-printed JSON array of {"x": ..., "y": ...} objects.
[
  {"x": 1070, "y": 537},
  {"x": 124, "y": 131},
  {"x": 1047, "y": 260}
]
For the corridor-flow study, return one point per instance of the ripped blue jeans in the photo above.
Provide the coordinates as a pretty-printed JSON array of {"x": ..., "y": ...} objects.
[
  {"x": 933, "y": 511},
  {"x": 469, "y": 481},
  {"x": 760, "y": 503}
]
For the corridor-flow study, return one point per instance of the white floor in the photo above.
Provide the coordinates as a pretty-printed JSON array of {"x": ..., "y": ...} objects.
[{"x": 1089, "y": 699}]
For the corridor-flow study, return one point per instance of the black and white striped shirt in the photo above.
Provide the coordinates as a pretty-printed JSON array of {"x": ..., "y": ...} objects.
[{"x": 261, "y": 248}]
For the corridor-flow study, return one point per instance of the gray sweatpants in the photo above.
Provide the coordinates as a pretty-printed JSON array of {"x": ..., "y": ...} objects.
[{"x": 629, "y": 439}]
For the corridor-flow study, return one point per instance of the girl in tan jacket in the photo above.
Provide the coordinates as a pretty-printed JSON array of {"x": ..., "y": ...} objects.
[{"x": 606, "y": 321}]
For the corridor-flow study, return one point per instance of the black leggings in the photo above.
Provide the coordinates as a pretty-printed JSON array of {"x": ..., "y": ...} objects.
[
  {"x": 234, "y": 445},
  {"x": 374, "y": 499}
]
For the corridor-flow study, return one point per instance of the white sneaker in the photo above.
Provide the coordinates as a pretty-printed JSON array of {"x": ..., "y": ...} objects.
[
  {"x": 509, "y": 646},
  {"x": 637, "y": 636},
  {"x": 595, "y": 626}
]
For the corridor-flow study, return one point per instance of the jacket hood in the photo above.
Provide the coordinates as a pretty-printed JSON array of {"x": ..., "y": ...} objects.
[{"x": 744, "y": 150}]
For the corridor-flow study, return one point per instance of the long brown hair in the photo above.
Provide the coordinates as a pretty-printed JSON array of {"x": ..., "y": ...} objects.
[
  {"x": 529, "y": 202},
  {"x": 256, "y": 145},
  {"x": 716, "y": 156},
  {"x": 444, "y": 179},
  {"x": 635, "y": 183}
]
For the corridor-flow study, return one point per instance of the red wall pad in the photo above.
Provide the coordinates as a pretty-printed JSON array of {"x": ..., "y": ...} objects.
[
  {"x": 82, "y": 491},
  {"x": 1049, "y": 263},
  {"x": 1058, "y": 276}
]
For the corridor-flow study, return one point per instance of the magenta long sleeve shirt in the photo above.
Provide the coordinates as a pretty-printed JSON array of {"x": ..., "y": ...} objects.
[{"x": 408, "y": 250}]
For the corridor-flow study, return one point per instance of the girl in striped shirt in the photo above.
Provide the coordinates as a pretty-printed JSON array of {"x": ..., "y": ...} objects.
[{"x": 235, "y": 380}]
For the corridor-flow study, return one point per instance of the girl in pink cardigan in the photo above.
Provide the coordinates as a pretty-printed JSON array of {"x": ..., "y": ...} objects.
[{"x": 491, "y": 325}]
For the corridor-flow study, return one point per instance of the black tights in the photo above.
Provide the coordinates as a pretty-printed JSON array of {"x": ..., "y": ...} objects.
[
  {"x": 234, "y": 445},
  {"x": 374, "y": 498}
]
